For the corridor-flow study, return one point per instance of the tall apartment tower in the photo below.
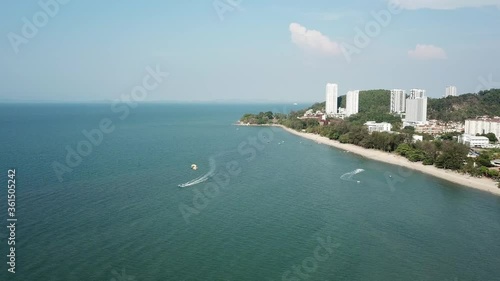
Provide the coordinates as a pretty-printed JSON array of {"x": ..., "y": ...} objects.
[
  {"x": 331, "y": 98},
  {"x": 417, "y": 93},
  {"x": 451, "y": 91},
  {"x": 416, "y": 107},
  {"x": 398, "y": 101},
  {"x": 352, "y": 103}
]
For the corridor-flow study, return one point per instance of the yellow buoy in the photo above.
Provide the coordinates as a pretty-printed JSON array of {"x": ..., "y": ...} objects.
[{"x": 194, "y": 167}]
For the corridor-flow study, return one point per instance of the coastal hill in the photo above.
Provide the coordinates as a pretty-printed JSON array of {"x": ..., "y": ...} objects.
[
  {"x": 446, "y": 109},
  {"x": 465, "y": 106},
  {"x": 369, "y": 100},
  {"x": 373, "y": 106}
]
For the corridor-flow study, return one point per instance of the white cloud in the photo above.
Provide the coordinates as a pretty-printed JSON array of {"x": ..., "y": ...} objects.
[
  {"x": 313, "y": 40},
  {"x": 444, "y": 4},
  {"x": 427, "y": 52}
]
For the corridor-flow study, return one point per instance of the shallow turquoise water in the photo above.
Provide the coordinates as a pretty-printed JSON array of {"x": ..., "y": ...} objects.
[{"x": 120, "y": 211}]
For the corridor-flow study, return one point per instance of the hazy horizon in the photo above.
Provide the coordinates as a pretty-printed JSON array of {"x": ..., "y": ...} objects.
[{"x": 245, "y": 51}]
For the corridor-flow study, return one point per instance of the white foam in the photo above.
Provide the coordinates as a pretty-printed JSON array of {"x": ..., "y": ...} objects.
[
  {"x": 348, "y": 176},
  {"x": 203, "y": 178}
]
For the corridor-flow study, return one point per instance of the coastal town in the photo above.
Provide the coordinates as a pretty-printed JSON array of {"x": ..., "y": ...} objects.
[
  {"x": 393, "y": 126},
  {"x": 412, "y": 109}
]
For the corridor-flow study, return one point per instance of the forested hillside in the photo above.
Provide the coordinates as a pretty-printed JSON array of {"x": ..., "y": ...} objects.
[
  {"x": 373, "y": 106},
  {"x": 377, "y": 102},
  {"x": 465, "y": 106},
  {"x": 370, "y": 100}
]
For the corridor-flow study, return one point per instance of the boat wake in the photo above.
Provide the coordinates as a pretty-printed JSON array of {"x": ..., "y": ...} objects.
[
  {"x": 203, "y": 178},
  {"x": 348, "y": 176}
]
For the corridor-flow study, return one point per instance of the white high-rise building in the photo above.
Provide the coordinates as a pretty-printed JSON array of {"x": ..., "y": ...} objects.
[
  {"x": 398, "y": 101},
  {"x": 416, "y": 110},
  {"x": 331, "y": 98},
  {"x": 417, "y": 93},
  {"x": 352, "y": 103},
  {"x": 416, "y": 107},
  {"x": 450, "y": 91}
]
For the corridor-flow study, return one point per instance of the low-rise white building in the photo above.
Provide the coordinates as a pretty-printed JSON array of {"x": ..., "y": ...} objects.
[
  {"x": 474, "y": 141},
  {"x": 378, "y": 127},
  {"x": 483, "y": 126},
  {"x": 312, "y": 114},
  {"x": 308, "y": 113},
  {"x": 418, "y": 138}
]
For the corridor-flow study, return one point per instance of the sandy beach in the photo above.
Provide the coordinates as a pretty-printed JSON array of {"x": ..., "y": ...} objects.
[{"x": 485, "y": 184}]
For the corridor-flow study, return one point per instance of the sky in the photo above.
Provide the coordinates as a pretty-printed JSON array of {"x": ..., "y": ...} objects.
[{"x": 245, "y": 51}]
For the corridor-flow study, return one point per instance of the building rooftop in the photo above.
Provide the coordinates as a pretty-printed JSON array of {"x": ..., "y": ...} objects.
[
  {"x": 476, "y": 137},
  {"x": 375, "y": 123},
  {"x": 496, "y": 120}
]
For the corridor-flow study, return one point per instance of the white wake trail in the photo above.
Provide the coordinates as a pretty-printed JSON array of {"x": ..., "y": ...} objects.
[
  {"x": 348, "y": 176},
  {"x": 202, "y": 178}
]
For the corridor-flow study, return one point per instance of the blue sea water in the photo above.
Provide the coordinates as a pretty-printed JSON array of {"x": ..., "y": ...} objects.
[{"x": 275, "y": 208}]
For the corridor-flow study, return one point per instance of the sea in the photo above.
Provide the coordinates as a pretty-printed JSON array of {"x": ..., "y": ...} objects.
[{"x": 98, "y": 197}]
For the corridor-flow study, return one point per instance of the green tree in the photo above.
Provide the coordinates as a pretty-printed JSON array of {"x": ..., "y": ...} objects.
[
  {"x": 446, "y": 137},
  {"x": 428, "y": 161},
  {"x": 484, "y": 171},
  {"x": 403, "y": 149},
  {"x": 357, "y": 134},
  {"x": 492, "y": 137},
  {"x": 408, "y": 133},
  {"x": 311, "y": 122},
  {"x": 319, "y": 106},
  {"x": 484, "y": 159},
  {"x": 493, "y": 173},
  {"x": 452, "y": 156},
  {"x": 429, "y": 150},
  {"x": 280, "y": 116},
  {"x": 415, "y": 155},
  {"x": 344, "y": 138}
]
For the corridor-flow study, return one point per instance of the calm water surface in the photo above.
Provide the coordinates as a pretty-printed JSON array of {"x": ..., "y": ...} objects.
[{"x": 274, "y": 210}]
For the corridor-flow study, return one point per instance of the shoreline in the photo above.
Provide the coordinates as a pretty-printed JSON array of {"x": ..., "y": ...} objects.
[{"x": 484, "y": 184}]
